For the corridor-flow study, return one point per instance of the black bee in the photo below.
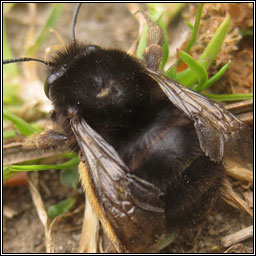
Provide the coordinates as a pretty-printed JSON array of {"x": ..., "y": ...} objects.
[{"x": 151, "y": 149}]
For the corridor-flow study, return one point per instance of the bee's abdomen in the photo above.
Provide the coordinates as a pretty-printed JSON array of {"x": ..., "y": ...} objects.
[
  {"x": 168, "y": 155},
  {"x": 196, "y": 190}
]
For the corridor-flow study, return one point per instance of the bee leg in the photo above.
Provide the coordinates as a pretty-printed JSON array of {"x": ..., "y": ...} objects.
[
  {"x": 96, "y": 210},
  {"x": 46, "y": 140},
  {"x": 155, "y": 40},
  {"x": 89, "y": 236}
]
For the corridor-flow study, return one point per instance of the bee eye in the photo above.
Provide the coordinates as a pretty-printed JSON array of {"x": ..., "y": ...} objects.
[{"x": 48, "y": 82}]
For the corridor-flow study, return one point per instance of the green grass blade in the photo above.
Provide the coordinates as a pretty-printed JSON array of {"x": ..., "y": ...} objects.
[
  {"x": 51, "y": 21},
  {"x": 142, "y": 43},
  {"x": 195, "y": 28},
  {"x": 187, "y": 77},
  {"x": 165, "y": 46},
  {"x": 69, "y": 177},
  {"x": 217, "y": 76},
  {"x": 189, "y": 25},
  {"x": 197, "y": 68},
  {"x": 9, "y": 134},
  {"x": 214, "y": 46},
  {"x": 7, "y": 173},
  {"x": 24, "y": 127},
  {"x": 71, "y": 163},
  {"x": 171, "y": 10},
  {"x": 171, "y": 72},
  {"x": 62, "y": 207},
  {"x": 229, "y": 97}
]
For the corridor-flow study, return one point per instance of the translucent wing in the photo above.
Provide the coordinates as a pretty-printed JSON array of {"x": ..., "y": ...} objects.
[
  {"x": 131, "y": 205},
  {"x": 221, "y": 134}
]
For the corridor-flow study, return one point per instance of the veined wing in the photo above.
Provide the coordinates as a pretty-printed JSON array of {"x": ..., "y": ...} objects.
[
  {"x": 221, "y": 134},
  {"x": 132, "y": 206}
]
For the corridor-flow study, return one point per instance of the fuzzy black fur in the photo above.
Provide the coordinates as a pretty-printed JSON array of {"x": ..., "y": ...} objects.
[{"x": 113, "y": 93}]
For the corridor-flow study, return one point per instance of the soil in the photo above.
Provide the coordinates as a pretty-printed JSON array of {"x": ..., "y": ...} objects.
[
  {"x": 109, "y": 25},
  {"x": 24, "y": 232}
]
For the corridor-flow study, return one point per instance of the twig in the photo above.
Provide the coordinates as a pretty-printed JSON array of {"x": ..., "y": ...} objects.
[{"x": 238, "y": 236}]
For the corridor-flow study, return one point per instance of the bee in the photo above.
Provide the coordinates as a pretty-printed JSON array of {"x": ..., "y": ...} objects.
[{"x": 151, "y": 149}]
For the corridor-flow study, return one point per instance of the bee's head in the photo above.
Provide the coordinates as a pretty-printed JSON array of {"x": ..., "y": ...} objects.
[{"x": 68, "y": 75}]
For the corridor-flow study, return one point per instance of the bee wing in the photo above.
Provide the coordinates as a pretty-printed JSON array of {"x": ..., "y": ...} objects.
[
  {"x": 221, "y": 134},
  {"x": 131, "y": 205}
]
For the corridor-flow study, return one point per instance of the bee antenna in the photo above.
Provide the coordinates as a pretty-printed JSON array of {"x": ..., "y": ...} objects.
[
  {"x": 25, "y": 59},
  {"x": 74, "y": 21}
]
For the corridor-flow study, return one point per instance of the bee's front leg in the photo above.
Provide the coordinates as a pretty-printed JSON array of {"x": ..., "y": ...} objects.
[{"x": 155, "y": 40}]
